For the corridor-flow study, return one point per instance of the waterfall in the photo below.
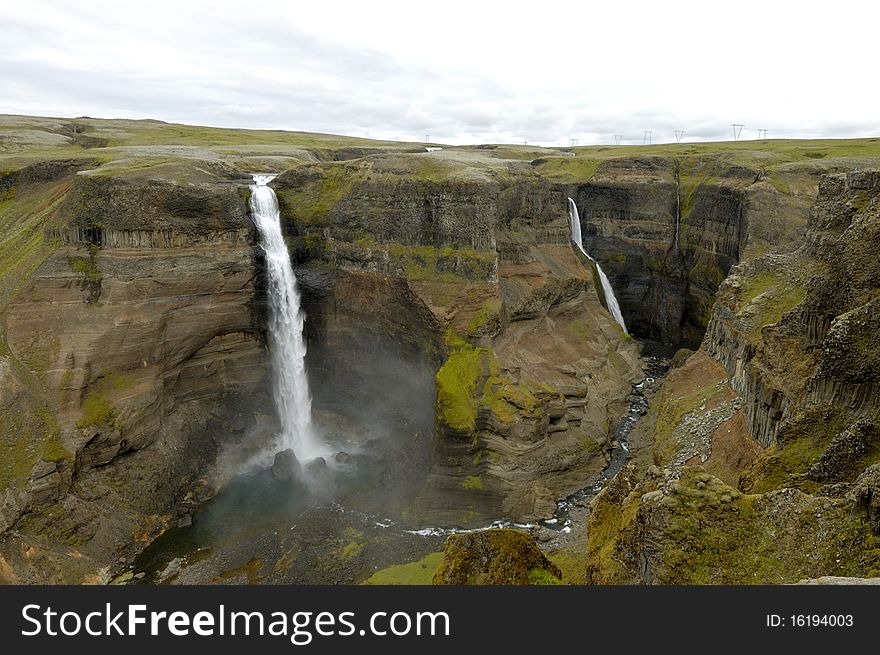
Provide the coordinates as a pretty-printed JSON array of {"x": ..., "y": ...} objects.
[
  {"x": 610, "y": 298},
  {"x": 286, "y": 319}
]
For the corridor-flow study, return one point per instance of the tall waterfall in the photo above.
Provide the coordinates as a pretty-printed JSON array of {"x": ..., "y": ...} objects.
[
  {"x": 291, "y": 388},
  {"x": 610, "y": 298}
]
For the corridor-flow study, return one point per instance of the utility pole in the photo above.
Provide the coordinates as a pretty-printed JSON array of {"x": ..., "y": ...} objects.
[
  {"x": 617, "y": 139},
  {"x": 678, "y": 135},
  {"x": 427, "y": 138},
  {"x": 572, "y": 143},
  {"x": 762, "y": 134},
  {"x": 737, "y": 130},
  {"x": 647, "y": 139}
]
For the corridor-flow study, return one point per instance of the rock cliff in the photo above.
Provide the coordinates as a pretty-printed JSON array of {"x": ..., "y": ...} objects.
[
  {"x": 770, "y": 430},
  {"x": 130, "y": 353}
]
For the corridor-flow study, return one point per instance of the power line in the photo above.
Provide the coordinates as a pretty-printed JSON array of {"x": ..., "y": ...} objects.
[
  {"x": 647, "y": 139},
  {"x": 678, "y": 135},
  {"x": 762, "y": 134},
  {"x": 737, "y": 130},
  {"x": 617, "y": 139}
]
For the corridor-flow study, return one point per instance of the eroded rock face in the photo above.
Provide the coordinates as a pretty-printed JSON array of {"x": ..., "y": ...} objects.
[
  {"x": 130, "y": 361},
  {"x": 801, "y": 329}
]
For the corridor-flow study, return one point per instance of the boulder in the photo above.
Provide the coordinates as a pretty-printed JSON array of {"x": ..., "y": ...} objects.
[{"x": 286, "y": 466}]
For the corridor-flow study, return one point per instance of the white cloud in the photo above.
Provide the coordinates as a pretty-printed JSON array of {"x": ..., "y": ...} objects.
[{"x": 459, "y": 71}]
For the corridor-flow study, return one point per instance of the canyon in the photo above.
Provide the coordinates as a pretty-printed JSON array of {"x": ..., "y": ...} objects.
[{"x": 457, "y": 344}]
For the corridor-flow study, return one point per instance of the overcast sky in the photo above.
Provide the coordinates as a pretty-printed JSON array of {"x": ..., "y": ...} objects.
[{"x": 463, "y": 72}]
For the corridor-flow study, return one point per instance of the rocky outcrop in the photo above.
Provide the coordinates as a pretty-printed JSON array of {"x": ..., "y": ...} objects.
[
  {"x": 495, "y": 557},
  {"x": 800, "y": 330}
]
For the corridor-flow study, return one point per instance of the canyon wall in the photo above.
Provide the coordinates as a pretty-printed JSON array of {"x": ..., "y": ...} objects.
[
  {"x": 131, "y": 353},
  {"x": 667, "y": 231},
  {"x": 767, "y": 438},
  {"x": 532, "y": 369}
]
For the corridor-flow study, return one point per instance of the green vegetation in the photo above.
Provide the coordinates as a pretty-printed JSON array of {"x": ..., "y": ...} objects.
[
  {"x": 613, "y": 511},
  {"x": 499, "y": 556},
  {"x": 488, "y": 312},
  {"x": 312, "y": 200},
  {"x": 87, "y": 266},
  {"x": 671, "y": 406},
  {"x": 96, "y": 411},
  {"x": 353, "y": 545},
  {"x": 456, "y": 383},
  {"x": 710, "y": 533},
  {"x": 471, "y": 378},
  {"x": 765, "y": 298},
  {"x": 23, "y": 247},
  {"x": 568, "y": 169},
  {"x": 441, "y": 264},
  {"x": 800, "y": 444},
  {"x": 718, "y": 536},
  {"x": 473, "y": 483},
  {"x": 420, "y": 572}
]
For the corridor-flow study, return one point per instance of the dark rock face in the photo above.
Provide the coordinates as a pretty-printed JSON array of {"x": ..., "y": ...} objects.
[
  {"x": 286, "y": 466},
  {"x": 495, "y": 557},
  {"x": 667, "y": 237},
  {"x": 664, "y": 276}
]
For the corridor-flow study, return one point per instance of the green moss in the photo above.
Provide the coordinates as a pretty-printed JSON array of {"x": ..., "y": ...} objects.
[
  {"x": 311, "y": 202},
  {"x": 350, "y": 550},
  {"x": 610, "y": 515},
  {"x": 23, "y": 247},
  {"x": 543, "y": 577},
  {"x": 87, "y": 266},
  {"x": 568, "y": 169},
  {"x": 456, "y": 382},
  {"x": 800, "y": 444},
  {"x": 96, "y": 411},
  {"x": 572, "y": 562},
  {"x": 442, "y": 264},
  {"x": 766, "y": 297},
  {"x": 472, "y": 483},
  {"x": 420, "y": 572},
  {"x": 351, "y": 546},
  {"x": 487, "y": 312},
  {"x": 715, "y": 535},
  {"x": 28, "y": 433},
  {"x": 495, "y": 557},
  {"x": 669, "y": 410}
]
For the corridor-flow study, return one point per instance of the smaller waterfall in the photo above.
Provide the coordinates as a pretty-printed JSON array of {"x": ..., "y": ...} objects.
[
  {"x": 610, "y": 298},
  {"x": 286, "y": 319}
]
